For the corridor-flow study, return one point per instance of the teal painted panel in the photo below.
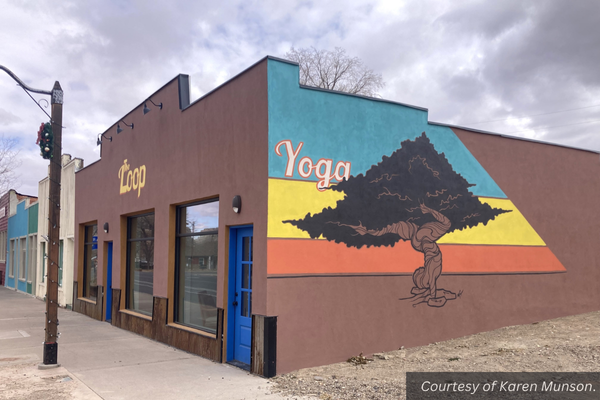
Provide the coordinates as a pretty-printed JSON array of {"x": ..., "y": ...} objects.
[
  {"x": 18, "y": 224},
  {"x": 29, "y": 287},
  {"x": 339, "y": 129},
  {"x": 33, "y": 219},
  {"x": 17, "y": 228},
  {"x": 21, "y": 285}
]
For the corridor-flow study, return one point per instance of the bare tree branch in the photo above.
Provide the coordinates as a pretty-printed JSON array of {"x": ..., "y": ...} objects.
[
  {"x": 335, "y": 70},
  {"x": 9, "y": 163}
]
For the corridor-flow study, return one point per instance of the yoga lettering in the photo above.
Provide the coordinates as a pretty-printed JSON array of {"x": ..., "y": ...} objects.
[{"x": 323, "y": 169}]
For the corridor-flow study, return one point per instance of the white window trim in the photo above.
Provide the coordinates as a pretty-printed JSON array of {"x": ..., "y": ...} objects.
[
  {"x": 20, "y": 253},
  {"x": 31, "y": 257},
  {"x": 3, "y": 244},
  {"x": 11, "y": 267}
]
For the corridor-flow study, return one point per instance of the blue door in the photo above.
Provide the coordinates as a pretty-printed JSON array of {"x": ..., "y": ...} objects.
[
  {"x": 109, "y": 281},
  {"x": 241, "y": 303}
]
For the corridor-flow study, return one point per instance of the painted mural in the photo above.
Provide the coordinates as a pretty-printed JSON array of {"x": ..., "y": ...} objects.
[
  {"x": 363, "y": 187},
  {"x": 414, "y": 195}
]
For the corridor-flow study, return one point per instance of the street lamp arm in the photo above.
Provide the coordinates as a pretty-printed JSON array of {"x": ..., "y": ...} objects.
[{"x": 22, "y": 84}]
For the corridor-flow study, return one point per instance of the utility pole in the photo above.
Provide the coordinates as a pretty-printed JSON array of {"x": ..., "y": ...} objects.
[
  {"x": 51, "y": 317},
  {"x": 50, "y": 342}
]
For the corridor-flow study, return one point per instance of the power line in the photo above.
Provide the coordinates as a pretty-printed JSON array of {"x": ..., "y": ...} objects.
[
  {"x": 554, "y": 126},
  {"x": 534, "y": 115}
]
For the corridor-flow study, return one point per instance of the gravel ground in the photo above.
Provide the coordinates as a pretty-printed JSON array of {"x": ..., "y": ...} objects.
[
  {"x": 569, "y": 344},
  {"x": 26, "y": 381}
]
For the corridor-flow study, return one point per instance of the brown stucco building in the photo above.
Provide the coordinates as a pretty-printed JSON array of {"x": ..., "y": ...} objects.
[{"x": 277, "y": 226}]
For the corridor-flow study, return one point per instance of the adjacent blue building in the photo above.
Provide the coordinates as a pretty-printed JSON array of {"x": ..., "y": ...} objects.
[{"x": 21, "y": 258}]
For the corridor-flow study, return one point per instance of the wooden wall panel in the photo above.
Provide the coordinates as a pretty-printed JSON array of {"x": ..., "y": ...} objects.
[
  {"x": 157, "y": 329},
  {"x": 263, "y": 350},
  {"x": 92, "y": 310},
  {"x": 257, "y": 347}
]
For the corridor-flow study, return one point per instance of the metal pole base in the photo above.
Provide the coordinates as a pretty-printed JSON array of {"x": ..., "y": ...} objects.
[
  {"x": 49, "y": 366},
  {"x": 50, "y": 353}
]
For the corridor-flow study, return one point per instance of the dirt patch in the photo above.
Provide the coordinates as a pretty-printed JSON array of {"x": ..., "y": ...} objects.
[
  {"x": 26, "y": 381},
  {"x": 569, "y": 344}
]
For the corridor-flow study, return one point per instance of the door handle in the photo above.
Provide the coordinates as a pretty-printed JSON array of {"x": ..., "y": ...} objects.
[{"x": 235, "y": 303}]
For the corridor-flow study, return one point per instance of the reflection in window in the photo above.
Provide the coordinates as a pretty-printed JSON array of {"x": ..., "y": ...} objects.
[
  {"x": 140, "y": 263},
  {"x": 196, "y": 275},
  {"x": 246, "y": 282},
  {"x": 90, "y": 262}
]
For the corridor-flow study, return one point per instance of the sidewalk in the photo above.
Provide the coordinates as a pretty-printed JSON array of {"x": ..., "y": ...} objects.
[{"x": 99, "y": 361}]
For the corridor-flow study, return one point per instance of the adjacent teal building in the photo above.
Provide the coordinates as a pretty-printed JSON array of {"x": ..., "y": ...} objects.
[{"x": 21, "y": 258}]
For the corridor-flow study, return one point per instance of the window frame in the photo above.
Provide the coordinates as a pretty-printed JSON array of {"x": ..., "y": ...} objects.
[
  {"x": 43, "y": 260},
  {"x": 130, "y": 218},
  {"x": 178, "y": 236},
  {"x": 23, "y": 258},
  {"x": 31, "y": 256},
  {"x": 13, "y": 250},
  {"x": 3, "y": 250},
  {"x": 61, "y": 250},
  {"x": 84, "y": 293}
]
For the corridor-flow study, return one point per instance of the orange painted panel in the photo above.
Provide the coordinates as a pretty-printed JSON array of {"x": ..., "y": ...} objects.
[{"x": 293, "y": 256}]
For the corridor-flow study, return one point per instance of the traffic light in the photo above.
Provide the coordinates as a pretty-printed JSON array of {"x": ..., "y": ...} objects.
[{"x": 46, "y": 140}]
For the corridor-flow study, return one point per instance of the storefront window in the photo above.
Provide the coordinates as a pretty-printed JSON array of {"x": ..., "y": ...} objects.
[
  {"x": 3, "y": 246},
  {"x": 43, "y": 261},
  {"x": 196, "y": 271},
  {"x": 32, "y": 257},
  {"x": 140, "y": 263},
  {"x": 23, "y": 259},
  {"x": 13, "y": 256},
  {"x": 60, "y": 262},
  {"x": 90, "y": 263}
]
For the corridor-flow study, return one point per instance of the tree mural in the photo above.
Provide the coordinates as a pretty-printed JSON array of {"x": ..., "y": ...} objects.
[{"x": 413, "y": 195}]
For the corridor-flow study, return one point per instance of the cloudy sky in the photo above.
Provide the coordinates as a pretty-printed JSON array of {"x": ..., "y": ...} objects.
[{"x": 524, "y": 68}]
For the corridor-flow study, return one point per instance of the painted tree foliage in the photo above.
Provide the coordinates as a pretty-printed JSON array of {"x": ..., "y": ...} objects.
[{"x": 414, "y": 195}]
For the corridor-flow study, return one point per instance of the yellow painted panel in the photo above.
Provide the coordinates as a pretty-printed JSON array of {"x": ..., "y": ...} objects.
[
  {"x": 289, "y": 199},
  {"x": 507, "y": 229},
  {"x": 293, "y": 200}
]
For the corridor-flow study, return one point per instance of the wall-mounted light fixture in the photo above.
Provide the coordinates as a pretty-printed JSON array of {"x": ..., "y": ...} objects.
[
  {"x": 119, "y": 130},
  {"x": 237, "y": 204},
  {"x": 147, "y": 110},
  {"x": 106, "y": 227},
  {"x": 99, "y": 141}
]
